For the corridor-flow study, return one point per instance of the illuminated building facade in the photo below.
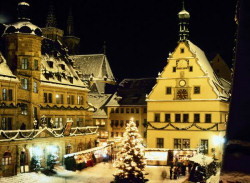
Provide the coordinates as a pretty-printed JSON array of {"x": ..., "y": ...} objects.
[
  {"x": 128, "y": 102},
  {"x": 43, "y": 101},
  {"x": 188, "y": 106}
]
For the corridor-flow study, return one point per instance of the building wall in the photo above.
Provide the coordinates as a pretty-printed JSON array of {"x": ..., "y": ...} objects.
[
  {"x": 44, "y": 146},
  {"x": 184, "y": 72},
  {"x": 138, "y": 113}
]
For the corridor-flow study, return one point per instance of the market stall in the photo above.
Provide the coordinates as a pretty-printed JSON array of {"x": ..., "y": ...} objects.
[{"x": 87, "y": 158}]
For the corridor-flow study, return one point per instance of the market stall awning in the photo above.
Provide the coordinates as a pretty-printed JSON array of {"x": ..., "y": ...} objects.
[{"x": 201, "y": 159}]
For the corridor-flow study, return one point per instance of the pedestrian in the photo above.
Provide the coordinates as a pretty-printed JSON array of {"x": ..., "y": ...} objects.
[
  {"x": 171, "y": 171},
  {"x": 175, "y": 172},
  {"x": 189, "y": 167}
]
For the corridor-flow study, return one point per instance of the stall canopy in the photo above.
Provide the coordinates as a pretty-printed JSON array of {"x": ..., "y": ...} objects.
[{"x": 201, "y": 159}]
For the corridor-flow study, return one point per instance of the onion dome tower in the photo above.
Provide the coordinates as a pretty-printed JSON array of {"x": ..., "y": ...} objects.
[
  {"x": 184, "y": 17},
  {"x": 23, "y": 54}
]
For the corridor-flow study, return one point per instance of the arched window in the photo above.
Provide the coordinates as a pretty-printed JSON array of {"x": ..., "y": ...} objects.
[{"x": 6, "y": 160}]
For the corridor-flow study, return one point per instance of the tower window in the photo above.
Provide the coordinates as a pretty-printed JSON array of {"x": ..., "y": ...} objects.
[
  {"x": 168, "y": 90},
  {"x": 4, "y": 94},
  {"x": 24, "y": 82},
  {"x": 35, "y": 87},
  {"x": 24, "y": 63},
  {"x": 182, "y": 50},
  {"x": 36, "y": 65},
  {"x": 197, "y": 90}
]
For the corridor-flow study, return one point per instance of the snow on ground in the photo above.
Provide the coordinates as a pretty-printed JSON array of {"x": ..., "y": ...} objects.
[
  {"x": 235, "y": 177},
  {"x": 100, "y": 173}
]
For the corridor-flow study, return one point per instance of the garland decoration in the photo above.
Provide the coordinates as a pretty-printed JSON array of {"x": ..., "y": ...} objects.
[{"x": 186, "y": 128}]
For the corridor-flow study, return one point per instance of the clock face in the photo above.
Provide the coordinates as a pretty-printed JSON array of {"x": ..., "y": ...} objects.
[
  {"x": 182, "y": 82},
  {"x": 182, "y": 94}
]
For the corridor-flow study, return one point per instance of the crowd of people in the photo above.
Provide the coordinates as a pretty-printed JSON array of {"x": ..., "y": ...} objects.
[{"x": 177, "y": 169}]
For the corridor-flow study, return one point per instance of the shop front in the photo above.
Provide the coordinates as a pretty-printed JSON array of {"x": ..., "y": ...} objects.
[
  {"x": 155, "y": 156},
  {"x": 87, "y": 158}
]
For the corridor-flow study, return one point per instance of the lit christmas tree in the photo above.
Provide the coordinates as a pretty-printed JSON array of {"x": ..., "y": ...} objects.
[{"x": 130, "y": 160}]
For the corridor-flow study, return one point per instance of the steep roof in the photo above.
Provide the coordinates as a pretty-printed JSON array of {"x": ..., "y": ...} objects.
[
  {"x": 132, "y": 92},
  {"x": 96, "y": 66},
  {"x": 57, "y": 68},
  {"x": 99, "y": 101},
  {"x": 214, "y": 80},
  {"x": 5, "y": 72}
]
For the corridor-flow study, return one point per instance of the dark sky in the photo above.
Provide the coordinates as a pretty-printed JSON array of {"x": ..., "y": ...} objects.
[{"x": 139, "y": 34}]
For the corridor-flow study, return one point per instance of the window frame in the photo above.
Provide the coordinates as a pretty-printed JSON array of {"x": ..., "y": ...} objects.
[
  {"x": 177, "y": 114},
  {"x": 24, "y": 83},
  {"x": 36, "y": 65},
  {"x": 157, "y": 117},
  {"x": 24, "y": 64},
  {"x": 206, "y": 118},
  {"x": 169, "y": 118},
  {"x": 195, "y": 115},
  {"x": 35, "y": 90},
  {"x": 197, "y": 92},
  {"x": 185, "y": 121},
  {"x": 168, "y": 90},
  {"x": 159, "y": 142}
]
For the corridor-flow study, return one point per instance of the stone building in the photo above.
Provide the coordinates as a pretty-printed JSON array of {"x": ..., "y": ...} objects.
[
  {"x": 128, "y": 102},
  {"x": 188, "y": 106},
  {"x": 43, "y": 101}
]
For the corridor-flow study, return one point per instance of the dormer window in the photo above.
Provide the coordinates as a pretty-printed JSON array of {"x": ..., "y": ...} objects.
[
  {"x": 50, "y": 63},
  {"x": 70, "y": 79},
  {"x": 63, "y": 67}
]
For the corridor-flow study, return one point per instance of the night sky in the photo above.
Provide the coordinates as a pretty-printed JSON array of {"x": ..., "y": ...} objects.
[{"x": 139, "y": 34}]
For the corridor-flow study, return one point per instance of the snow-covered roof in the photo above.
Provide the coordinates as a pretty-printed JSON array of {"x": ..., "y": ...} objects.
[
  {"x": 201, "y": 159},
  {"x": 206, "y": 67},
  {"x": 23, "y": 3},
  {"x": 24, "y": 27},
  {"x": 132, "y": 92},
  {"x": 99, "y": 101},
  {"x": 56, "y": 72},
  {"x": 95, "y": 66},
  {"x": 5, "y": 72}
]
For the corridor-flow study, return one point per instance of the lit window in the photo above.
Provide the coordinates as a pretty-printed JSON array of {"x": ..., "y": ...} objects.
[
  {"x": 24, "y": 63},
  {"x": 35, "y": 87},
  {"x": 6, "y": 160},
  {"x": 24, "y": 109},
  {"x": 24, "y": 82},
  {"x": 57, "y": 99},
  {"x": 177, "y": 143},
  {"x": 36, "y": 64},
  {"x": 204, "y": 146},
  {"x": 4, "y": 94},
  {"x": 185, "y": 143},
  {"x": 3, "y": 125}
]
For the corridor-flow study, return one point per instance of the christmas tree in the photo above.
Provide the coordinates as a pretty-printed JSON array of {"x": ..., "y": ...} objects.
[{"x": 130, "y": 160}]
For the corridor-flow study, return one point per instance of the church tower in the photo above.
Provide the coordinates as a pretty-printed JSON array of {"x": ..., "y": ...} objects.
[
  {"x": 23, "y": 55},
  {"x": 184, "y": 17},
  {"x": 71, "y": 41},
  {"x": 51, "y": 31}
]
